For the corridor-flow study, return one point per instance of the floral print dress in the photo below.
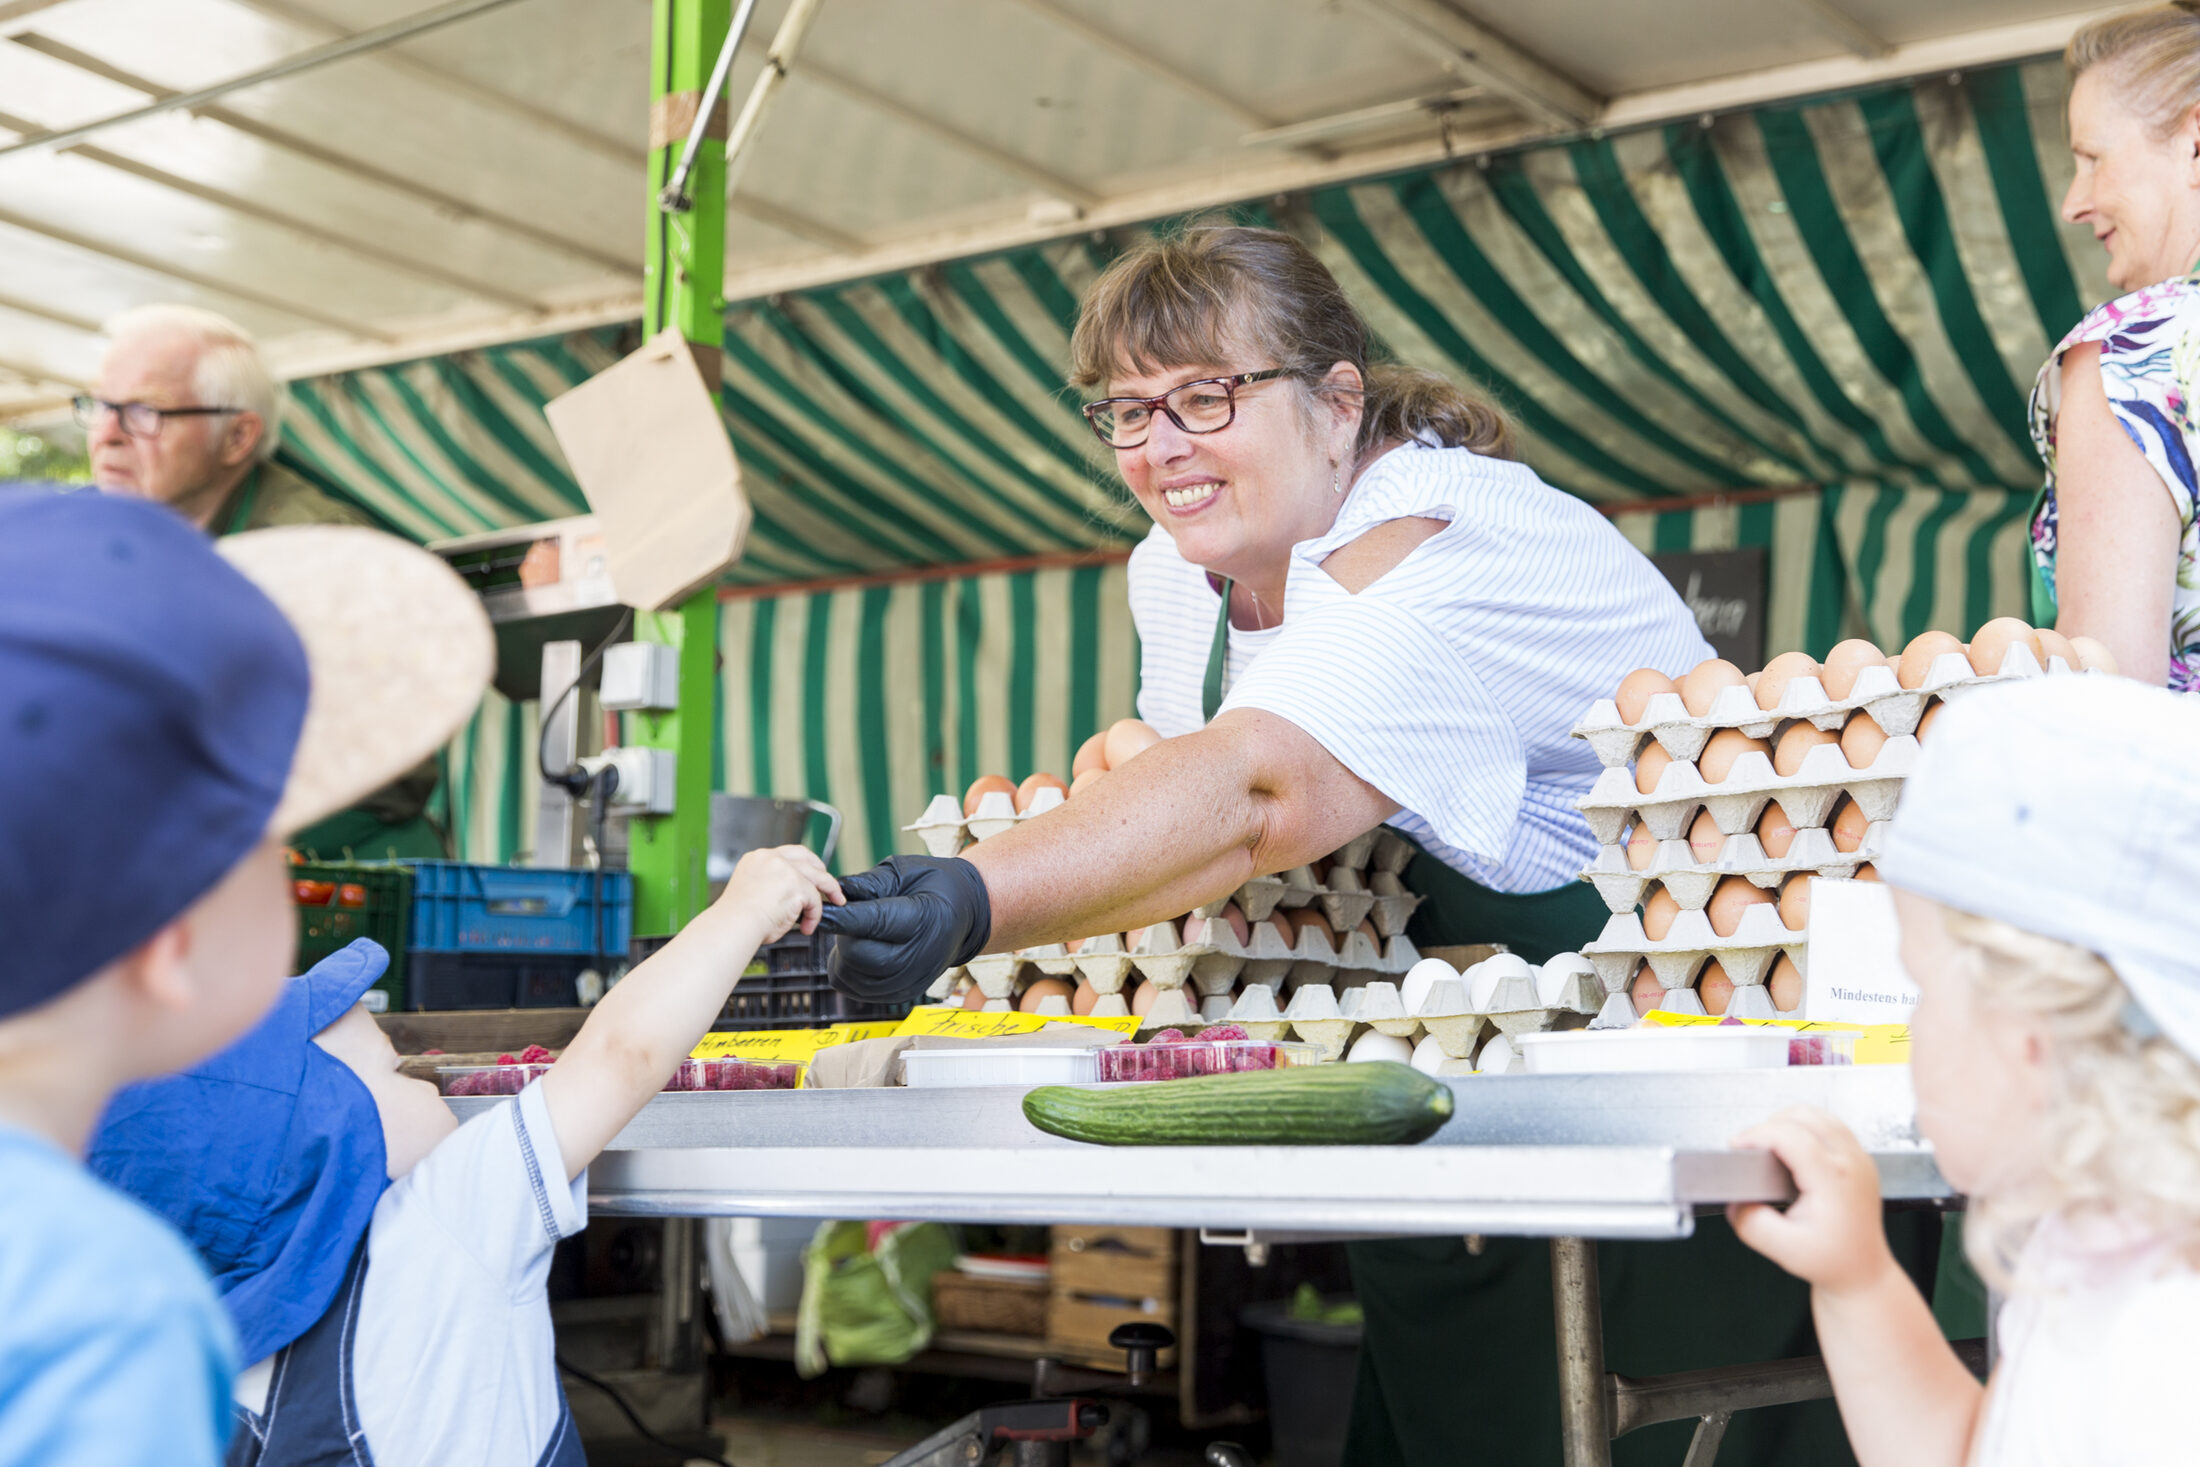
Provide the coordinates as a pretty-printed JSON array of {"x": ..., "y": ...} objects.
[{"x": 2150, "y": 369}]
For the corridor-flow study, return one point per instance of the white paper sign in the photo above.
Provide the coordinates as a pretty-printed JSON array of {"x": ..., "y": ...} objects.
[{"x": 1856, "y": 974}]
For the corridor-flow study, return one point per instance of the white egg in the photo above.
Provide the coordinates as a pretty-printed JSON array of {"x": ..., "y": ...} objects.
[
  {"x": 1550, "y": 979},
  {"x": 1428, "y": 1055},
  {"x": 1376, "y": 1045},
  {"x": 1414, "y": 987},
  {"x": 1498, "y": 1057},
  {"x": 1490, "y": 972}
]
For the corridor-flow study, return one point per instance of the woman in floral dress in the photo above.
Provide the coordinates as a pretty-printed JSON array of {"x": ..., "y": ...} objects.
[{"x": 2115, "y": 557}]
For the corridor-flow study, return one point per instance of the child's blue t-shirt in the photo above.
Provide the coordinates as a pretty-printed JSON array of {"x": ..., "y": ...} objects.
[{"x": 114, "y": 1350}]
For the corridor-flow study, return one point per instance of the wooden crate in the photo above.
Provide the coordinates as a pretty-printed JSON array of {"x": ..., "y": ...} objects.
[
  {"x": 994, "y": 1306},
  {"x": 1104, "y": 1276}
]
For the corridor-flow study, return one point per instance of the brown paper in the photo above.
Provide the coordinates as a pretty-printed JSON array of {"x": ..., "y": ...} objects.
[{"x": 645, "y": 441}]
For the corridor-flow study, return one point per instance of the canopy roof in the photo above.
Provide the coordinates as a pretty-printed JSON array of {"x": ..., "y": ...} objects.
[{"x": 483, "y": 182}]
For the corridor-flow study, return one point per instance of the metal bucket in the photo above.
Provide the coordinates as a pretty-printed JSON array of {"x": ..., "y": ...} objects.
[{"x": 743, "y": 823}]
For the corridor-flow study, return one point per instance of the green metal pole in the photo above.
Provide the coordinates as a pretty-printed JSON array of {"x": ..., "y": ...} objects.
[{"x": 682, "y": 285}]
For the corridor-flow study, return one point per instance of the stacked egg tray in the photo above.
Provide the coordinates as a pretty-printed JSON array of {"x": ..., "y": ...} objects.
[
  {"x": 1202, "y": 972},
  {"x": 1806, "y": 797}
]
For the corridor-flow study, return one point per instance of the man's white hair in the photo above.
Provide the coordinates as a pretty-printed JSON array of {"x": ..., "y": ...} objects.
[{"x": 230, "y": 373}]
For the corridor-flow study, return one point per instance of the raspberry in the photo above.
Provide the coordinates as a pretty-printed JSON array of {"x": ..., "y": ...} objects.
[
  {"x": 1168, "y": 1036},
  {"x": 1224, "y": 1031},
  {"x": 505, "y": 1059},
  {"x": 535, "y": 1054}
]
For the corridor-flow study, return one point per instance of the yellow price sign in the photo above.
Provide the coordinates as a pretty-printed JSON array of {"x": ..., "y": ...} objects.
[
  {"x": 966, "y": 1024},
  {"x": 780, "y": 1045},
  {"x": 852, "y": 1033},
  {"x": 1876, "y": 1044}
]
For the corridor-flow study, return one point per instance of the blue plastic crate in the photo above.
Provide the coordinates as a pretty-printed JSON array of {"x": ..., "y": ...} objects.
[{"x": 459, "y": 907}]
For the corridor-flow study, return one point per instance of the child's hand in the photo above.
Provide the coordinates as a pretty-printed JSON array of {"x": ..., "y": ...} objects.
[
  {"x": 779, "y": 889},
  {"x": 1831, "y": 1236}
]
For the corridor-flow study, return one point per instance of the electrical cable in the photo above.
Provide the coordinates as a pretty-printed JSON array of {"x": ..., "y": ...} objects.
[
  {"x": 574, "y": 781},
  {"x": 619, "y": 1400}
]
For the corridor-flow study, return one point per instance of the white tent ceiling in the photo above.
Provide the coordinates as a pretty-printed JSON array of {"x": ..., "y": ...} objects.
[{"x": 485, "y": 181}]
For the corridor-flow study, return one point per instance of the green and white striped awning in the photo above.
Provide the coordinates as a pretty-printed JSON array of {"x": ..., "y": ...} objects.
[{"x": 1844, "y": 299}]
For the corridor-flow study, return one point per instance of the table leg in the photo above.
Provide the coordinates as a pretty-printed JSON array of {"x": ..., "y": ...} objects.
[{"x": 1584, "y": 1427}]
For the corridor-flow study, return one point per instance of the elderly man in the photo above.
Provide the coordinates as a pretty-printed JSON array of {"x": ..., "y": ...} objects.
[{"x": 185, "y": 411}]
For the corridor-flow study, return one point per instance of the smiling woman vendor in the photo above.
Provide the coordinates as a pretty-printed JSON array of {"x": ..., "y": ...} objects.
[{"x": 1355, "y": 608}]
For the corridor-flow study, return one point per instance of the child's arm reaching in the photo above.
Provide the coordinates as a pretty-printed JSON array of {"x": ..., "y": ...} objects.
[
  {"x": 641, "y": 1030},
  {"x": 1905, "y": 1398}
]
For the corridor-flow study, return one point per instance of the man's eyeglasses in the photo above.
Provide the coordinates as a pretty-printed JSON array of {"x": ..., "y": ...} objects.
[
  {"x": 1206, "y": 406},
  {"x": 139, "y": 419}
]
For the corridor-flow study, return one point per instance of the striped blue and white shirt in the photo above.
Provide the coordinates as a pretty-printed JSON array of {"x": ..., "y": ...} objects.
[{"x": 1451, "y": 683}]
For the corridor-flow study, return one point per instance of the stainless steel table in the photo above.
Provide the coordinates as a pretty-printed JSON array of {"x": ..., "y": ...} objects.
[{"x": 1571, "y": 1158}]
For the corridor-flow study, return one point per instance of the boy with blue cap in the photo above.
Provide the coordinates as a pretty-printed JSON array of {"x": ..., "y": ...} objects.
[
  {"x": 387, "y": 1268},
  {"x": 167, "y": 713},
  {"x": 2046, "y": 867}
]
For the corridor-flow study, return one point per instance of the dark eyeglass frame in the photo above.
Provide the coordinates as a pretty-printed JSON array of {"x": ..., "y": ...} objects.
[
  {"x": 134, "y": 415},
  {"x": 1229, "y": 386}
]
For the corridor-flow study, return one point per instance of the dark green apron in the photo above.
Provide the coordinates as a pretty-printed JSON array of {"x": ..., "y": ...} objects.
[{"x": 1459, "y": 1358}]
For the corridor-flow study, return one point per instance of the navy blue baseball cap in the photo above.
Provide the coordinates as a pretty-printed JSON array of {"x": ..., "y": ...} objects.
[
  {"x": 151, "y": 698},
  {"x": 268, "y": 1156},
  {"x": 166, "y": 705}
]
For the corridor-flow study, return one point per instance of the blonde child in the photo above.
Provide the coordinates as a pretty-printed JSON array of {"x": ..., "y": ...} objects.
[{"x": 2046, "y": 866}]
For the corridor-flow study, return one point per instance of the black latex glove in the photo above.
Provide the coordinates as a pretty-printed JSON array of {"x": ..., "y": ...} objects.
[{"x": 908, "y": 920}]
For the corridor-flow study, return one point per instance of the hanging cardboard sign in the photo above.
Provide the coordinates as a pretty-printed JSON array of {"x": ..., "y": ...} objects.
[{"x": 644, "y": 439}]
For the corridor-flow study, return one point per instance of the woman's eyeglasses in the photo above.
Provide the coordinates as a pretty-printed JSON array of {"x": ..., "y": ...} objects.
[
  {"x": 139, "y": 419},
  {"x": 1206, "y": 406}
]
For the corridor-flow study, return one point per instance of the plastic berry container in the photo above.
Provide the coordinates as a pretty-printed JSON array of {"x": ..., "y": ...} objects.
[
  {"x": 1822, "y": 1047},
  {"x": 735, "y": 1074},
  {"x": 464, "y": 1080},
  {"x": 1184, "y": 1059}
]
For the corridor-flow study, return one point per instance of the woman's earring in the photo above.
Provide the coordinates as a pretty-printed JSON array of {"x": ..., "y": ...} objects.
[{"x": 1336, "y": 479}]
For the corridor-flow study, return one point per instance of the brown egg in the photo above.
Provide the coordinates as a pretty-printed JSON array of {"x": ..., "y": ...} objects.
[
  {"x": 1795, "y": 903},
  {"x": 1722, "y": 749},
  {"x": 1127, "y": 738},
  {"x": 1132, "y": 938},
  {"x": 1367, "y": 930},
  {"x": 1241, "y": 929},
  {"x": 1796, "y": 744},
  {"x": 1086, "y": 781},
  {"x": 974, "y": 999},
  {"x": 1733, "y": 896},
  {"x": 2093, "y": 656},
  {"x": 1658, "y": 914},
  {"x": 2055, "y": 644},
  {"x": 1785, "y": 984},
  {"x": 1646, "y": 992},
  {"x": 1637, "y": 689},
  {"x": 1918, "y": 658},
  {"x": 1714, "y": 987},
  {"x": 1849, "y": 826},
  {"x": 1774, "y": 832},
  {"x": 1705, "y": 681},
  {"x": 1642, "y": 848},
  {"x": 1650, "y": 768},
  {"x": 1075, "y": 944},
  {"x": 1705, "y": 839},
  {"x": 986, "y": 784},
  {"x": 1042, "y": 989},
  {"x": 1311, "y": 916},
  {"x": 1991, "y": 642},
  {"x": 1844, "y": 662},
  {"x": 1283, "y": 927},
  {"x": 1084, "y": 1000},
  {"x": 1029, "y": 789},
  {"x": 1772, "y": 683},
  {"x": 1142, "y": 998},
  {"x": 1926, "y": 722},
  {"x": 1091, "y": 754},
  {"x": 1861, "y": 740},
  {"x": 1867, "y": 872}
]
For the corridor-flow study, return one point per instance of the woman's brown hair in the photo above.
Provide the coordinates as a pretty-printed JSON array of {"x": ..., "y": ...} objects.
[{"x": 1214, "y": 292}]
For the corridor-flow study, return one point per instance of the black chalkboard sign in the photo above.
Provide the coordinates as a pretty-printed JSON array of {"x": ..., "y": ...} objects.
[{"x": 1726, "y": 591}]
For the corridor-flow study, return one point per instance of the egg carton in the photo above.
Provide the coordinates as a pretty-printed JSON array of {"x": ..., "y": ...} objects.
[
  {"x": 1261, "y": 896},
  {"x": 1759, "y": 939},
  {"x": 1807, "y": 796},
  {"x": 1674, "y": 866},
  {"x": 945, "y": 830},
  {"x": 1893, "y": 707}
]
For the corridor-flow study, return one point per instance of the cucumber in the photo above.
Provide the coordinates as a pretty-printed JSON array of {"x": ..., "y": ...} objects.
[{"x": 1374, "y": 1104}]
